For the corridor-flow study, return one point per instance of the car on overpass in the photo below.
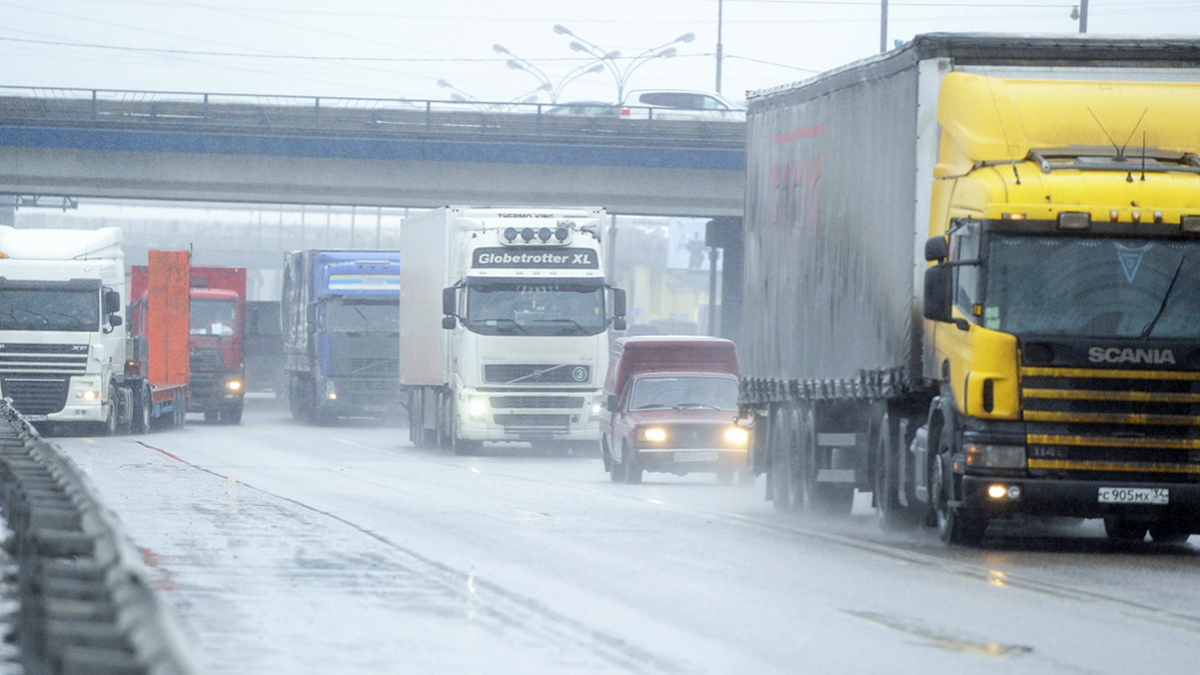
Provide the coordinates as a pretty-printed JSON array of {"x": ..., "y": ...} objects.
[
  {"x": 584, "y": 108},
  {"x": 680, "y": 104}
]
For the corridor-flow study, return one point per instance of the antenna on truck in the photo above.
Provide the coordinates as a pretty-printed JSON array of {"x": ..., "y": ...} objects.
[{"x": 1120, "y": 148}]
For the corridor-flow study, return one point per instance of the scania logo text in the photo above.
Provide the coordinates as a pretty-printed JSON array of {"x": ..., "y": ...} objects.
[{"x": 1130, "y": 355}]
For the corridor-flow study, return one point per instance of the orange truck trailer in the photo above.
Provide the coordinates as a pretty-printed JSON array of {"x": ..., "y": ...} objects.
[{"x": 157, "y": 360}]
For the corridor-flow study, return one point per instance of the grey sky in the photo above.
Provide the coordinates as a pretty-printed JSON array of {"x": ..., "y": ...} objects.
[{"x": 372, "y": 48}]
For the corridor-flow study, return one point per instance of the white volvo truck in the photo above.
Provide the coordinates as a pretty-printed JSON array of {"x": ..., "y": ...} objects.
[{"x": 504, "y": 319}]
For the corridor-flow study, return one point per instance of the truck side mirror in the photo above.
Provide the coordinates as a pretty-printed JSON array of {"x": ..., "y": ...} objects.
[
  {"x": 619, "y": 303},
  {"x": 450, "y": 301},
  {"x": 619, "y": 323},
  {"x": 449, "y": 322},
  {"x": 112, "y": 302},
  {"x": 937, "y": 249},
  {"x": 612, "y": 404},
  {"x": 115, "y": 320},
  {"x": 938, "y": 287},
  {"x": 310, "y": 314}
]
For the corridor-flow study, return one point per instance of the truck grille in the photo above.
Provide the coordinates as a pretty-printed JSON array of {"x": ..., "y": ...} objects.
[
  {"x": 1112, "y": 422},
  {"x": 36, "y": 395},
  {"x": 39, "y": 359},
  {"x": 361, "y": 365},
  {"x": 372, "y": 392},
  {"x": 207, "y": 359},
  {"x": 559, "y": 402},
  {"x": 365, "y": 356},
  {"x": 534, "y": 422},
  {"x": 536, "y": 373}
]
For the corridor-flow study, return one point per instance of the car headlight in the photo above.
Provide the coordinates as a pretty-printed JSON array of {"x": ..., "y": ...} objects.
[
  {"x": 330, "y": 390},
  {"x": 653, "y": 434},
  {"x": 475, "y": 407},
  {"x": 737, "y": 436},
  {"x": 986, "y": 455}
]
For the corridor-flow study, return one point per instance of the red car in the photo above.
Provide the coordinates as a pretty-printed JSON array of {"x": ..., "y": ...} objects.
[{"x": 670, "y": 404}]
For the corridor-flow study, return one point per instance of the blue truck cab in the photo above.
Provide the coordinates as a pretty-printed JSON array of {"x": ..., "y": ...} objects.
[{"x": 341, "y": 332}]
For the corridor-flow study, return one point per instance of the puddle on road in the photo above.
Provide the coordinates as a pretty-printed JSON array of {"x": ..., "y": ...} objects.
[{"x": 943, "y": 640}]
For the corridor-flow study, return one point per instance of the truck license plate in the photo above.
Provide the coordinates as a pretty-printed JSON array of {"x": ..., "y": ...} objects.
[
  {"x": 1115, "y": 495},
  {"x": 695, "y": 456}
]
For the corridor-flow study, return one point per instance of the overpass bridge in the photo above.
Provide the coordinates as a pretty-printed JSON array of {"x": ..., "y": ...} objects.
[{"x": 361, "y": 152}]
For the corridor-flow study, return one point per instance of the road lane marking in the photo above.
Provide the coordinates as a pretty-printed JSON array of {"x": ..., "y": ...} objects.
[{"x": 941, "y": 640}]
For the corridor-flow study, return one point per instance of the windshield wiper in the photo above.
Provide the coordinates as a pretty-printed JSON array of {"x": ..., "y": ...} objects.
[
  {"x": 654, "y": 406},
  {"x": 573, "y": 322},
  {"x": 1166, "y": 296},
  {"x": 681, "y": 406},
  {"x": 506, "y": 322}
]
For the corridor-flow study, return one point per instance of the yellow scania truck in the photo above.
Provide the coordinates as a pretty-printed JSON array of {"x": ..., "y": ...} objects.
[{"x": 972, "y": 285}]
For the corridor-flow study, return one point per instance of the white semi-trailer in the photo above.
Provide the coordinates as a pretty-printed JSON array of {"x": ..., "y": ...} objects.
[
  {"x": 504, "y": 319},
  {"x": 67, "y": 355}
]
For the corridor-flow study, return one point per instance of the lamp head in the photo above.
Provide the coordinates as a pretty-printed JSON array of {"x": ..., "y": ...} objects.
[
  {"x": 499, "y": 49},
  {"x": 686, "y": 37},
  {"x": 561, "y": 29}
]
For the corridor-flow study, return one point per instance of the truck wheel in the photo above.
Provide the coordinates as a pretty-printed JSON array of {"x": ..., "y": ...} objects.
[
  {"x": 784, "y": 441},
  {"x": 605, "y": 455},
  {"x": 1124, "y": 531},
  {"x": 141, "y": 413},
  {"x": 956, "y": 527},
  {"x": 180, "y": 417},
  {"x": 233, "y": 415},
  {"x": 616, "y": 469},
  {"x": 211, "y": 416},
  {"x": 462, "y": 446},
  {"x": 633, "y": 470},
  {"x": 890, "y": 514},
  {"x": 109, "y": 426}
]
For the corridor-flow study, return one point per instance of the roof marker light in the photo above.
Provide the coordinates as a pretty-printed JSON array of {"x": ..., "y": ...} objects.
[
  {"x": 1136, "y": 216},
  {"x": 510, "y": 233},
  {"x": 1190, "y": 224},
  {"x": 561, "y": 234},
  {"x": 1158, "y": 217},
  {"x": 527, "y": 234},
  {"x": 1113, "y": 215},
  {"x": 544, "y": 234}
]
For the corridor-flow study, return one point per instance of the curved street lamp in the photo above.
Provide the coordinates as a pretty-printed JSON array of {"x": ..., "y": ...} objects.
[
  {"x": 518, "y": 63},
  {"x": 609, "y": 58}
]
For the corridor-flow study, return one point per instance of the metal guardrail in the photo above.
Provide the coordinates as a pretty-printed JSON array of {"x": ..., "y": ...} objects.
[
  {"x": 87, "y": 604},
  {"x": 342, "y": 116}
]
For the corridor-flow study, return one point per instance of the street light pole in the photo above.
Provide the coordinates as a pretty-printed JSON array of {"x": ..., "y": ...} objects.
[
  {"x": 720, "y": 47},
  {"x": 883, "y": 26},
  {"x": 664, "y": 51}
]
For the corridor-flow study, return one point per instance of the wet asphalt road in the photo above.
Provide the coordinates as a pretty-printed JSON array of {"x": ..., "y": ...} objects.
[{"x": 294, "y": 549}]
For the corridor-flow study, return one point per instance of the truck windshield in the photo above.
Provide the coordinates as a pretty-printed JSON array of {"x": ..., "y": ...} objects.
[
  {"x": 1103, "y": 287},
  {"x": 538, "y": 308},
  {"x": 213, "y": 316},
  {"x": 354, "y": 315},
  {"x": 58, "y": 310},
  {"x": 680, "y": 392}
]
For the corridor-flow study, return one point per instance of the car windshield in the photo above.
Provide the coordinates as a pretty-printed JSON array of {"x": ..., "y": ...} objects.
[
  {"x": 56, "y": 310},
  {"x": 345, "y": 315},
  {"x": 679, "y": 392},
  {"x": 1096, "y": 287},
  {"x": 214, "y": 316},
  {"x": 544, "y": 308}
]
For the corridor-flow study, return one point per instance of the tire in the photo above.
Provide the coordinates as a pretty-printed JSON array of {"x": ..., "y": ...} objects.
[
  {"x": 233, "y": 415},
  {"x": 633, "y": 470},
  {"x": 462, "y": 446},
  {"x": 787, "y": 487},
  {"x": 889, "y": 513},
  {"x": 180, "y": 418},
  {"x": 616, "y": 470},
  {"x": 831, "y": 499},
  {"x": 955, "y": 526},
  {"x": 605, "y": 455},
  {"x": 109, "y": 426},
  {"x": 1124, "y": 531},
  {"x": 211, "y": 416},
  {"x": 1168, "y": 532},
  {"x": 143, "y": 403}
]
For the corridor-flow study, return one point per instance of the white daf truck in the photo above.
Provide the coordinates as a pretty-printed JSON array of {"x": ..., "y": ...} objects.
[
  {"x": 504, "y": 319},
  {"x": 67, "y": 356}
]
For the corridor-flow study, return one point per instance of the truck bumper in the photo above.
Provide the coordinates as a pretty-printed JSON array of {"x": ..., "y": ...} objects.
[
  {"x": 565, "y": 416},
  {"x": 212, "y": 392},
  {"x": 1078, "y": 499}
]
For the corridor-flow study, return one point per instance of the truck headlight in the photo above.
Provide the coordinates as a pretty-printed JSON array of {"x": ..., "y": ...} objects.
[
  {"x": 653, "y": 434},
  {"x": 88, "y": 395},
  {"x": 236, "y": 385},
  {"x": 737, "y": 436},
  {"x": 988, "y": 456},
  {"x": 475, "y": 407},
  {"x": 330, "y": 390}
]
